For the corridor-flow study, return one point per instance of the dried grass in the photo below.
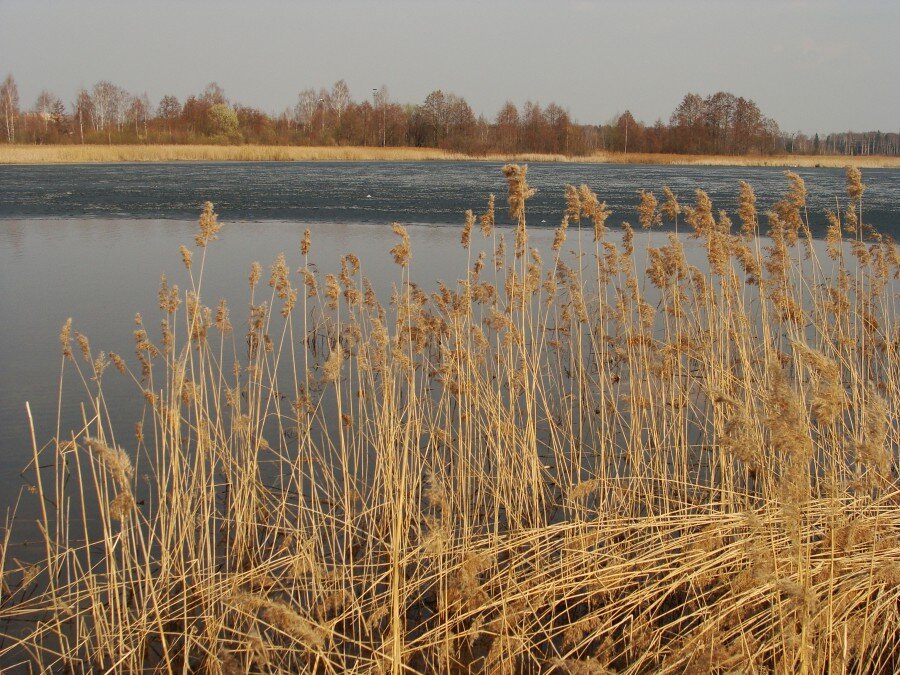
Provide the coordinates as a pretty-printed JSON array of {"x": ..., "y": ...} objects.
[
  {"x": 105, "y": 154},
  {"x": 559, "y": 470}
]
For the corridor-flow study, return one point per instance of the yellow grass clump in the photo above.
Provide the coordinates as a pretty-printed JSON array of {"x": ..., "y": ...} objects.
[{"x": 570, "y": 465}]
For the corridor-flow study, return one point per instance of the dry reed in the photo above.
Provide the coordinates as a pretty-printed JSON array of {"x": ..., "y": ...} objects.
[
  {"x": 105, "y": 154},
  {"x": 562, "y": 469}
]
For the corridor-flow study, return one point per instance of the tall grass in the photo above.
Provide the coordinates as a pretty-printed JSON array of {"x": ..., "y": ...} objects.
[
  {"x": 569, "y": 464},
  {"x": 87, "y": 154},
  {"x": 76, "y": 154}
]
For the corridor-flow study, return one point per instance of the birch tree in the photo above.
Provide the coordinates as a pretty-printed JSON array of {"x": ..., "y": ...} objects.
[
  {"x": 9, "y": 104},
  {"x": 84, "y": 111},
  {"x": 340, "y": 98}
]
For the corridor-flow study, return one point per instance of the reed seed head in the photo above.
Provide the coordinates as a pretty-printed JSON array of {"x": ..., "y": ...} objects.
[
  {"x": 402, "y": 251},
  {"x": 209, "y": 226},
  {"x": 65, "y": 339},
  {"x": 855, "y": 187},
  {"x": 559, "y": 237},
  {"x": 518, "y": 190},
  {"x": 114, "y": 460},
  {"x": 648, "y": 215},
  {"x": 305, "y": 243},
  {"x": 747, "y": 209},
  {"x": 467, "y": 229},
  {"x": 331, "y": 370},
  {"x": 186, "y": 257},
  {"x": 255, "y": 274},
  {"x": 487, "y": 218},
  {"x": 573, "y": 204},
  {"x": 670, "y": 208}
]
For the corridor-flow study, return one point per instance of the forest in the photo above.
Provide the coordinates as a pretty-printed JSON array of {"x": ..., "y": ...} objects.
[{"x": 720, "y": 123}]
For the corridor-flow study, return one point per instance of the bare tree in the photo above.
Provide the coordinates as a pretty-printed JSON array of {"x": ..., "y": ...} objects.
[
  {"x": 381, "y": 100},
  {"x": 718, "y": 114},
  {"x": 120, "y": 107},
  {"x": 687, "y": 123},
  {"x": 460, "y": 122},
  {"x": 626, "y": 124},
  {"x": 139, "y": 112},
  {"x": 305, "y": 110},
  {"x": 84, "y": 111},
  {"x": 103, "y": 98},
  {"x": 340, "y": 98},
  {"x": 534, "y": 125},
  {"x": 9, "y": 104},
  {"x": 110, "y": 105},
  {"x": 508, "y": 127},
  {"x": 558, "y": 121},
  {"x": 214, "y": 94},
  {"x": 323, "y": 102},
  {"x": 435, "y": 109},
  {"x": 43, "y": 107},
  {"x": 168, "y": 110},
  {"x": 746, "y": 123}
]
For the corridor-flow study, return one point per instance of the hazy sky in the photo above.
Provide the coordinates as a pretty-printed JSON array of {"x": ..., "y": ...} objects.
[{"x": 813, "y": 65}]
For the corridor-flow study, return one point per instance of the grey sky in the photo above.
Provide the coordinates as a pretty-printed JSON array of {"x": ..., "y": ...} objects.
[{"x": 812, "y": 65}]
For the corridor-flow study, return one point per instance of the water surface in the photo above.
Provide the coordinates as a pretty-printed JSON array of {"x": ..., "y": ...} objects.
[
  {"x": 413, "y": 192},
  {"x": 90, "y": 242}
]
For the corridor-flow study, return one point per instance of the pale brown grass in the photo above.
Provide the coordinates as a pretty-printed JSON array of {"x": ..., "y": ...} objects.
[
  {"x": 99, "y": 154},
  {"x": 88, "y": 154},
  {"x": 830, "y": 161}
]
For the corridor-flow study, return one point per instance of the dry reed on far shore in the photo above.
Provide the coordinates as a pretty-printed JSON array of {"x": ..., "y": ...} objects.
[{"x": 105, "y": 154}]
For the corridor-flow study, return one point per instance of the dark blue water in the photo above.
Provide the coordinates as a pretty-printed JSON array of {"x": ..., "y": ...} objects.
[{"x": 415, "y": 192}]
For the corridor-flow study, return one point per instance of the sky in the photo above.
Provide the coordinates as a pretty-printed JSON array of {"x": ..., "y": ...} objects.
[{"x": 812, "y": 65}]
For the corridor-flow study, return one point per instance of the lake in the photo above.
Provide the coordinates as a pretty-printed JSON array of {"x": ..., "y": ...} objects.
[
  {"x": 90, "y": 242},
  {"x": 381, "y": 192}
]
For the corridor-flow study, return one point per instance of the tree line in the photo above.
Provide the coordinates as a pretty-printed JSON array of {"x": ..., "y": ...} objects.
[{"x": 720, "y": 123}]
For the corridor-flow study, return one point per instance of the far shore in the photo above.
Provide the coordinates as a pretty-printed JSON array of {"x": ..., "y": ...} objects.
[{"x": 93, "y": 154}]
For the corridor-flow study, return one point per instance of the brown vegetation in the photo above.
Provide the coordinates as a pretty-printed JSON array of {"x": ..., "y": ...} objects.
[
  {"x": 89, "y": 154},
  {"x": 718, "y": 124},
  {"x": 562, "y": 463}
]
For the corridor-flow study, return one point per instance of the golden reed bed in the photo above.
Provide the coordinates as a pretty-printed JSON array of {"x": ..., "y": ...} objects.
[
  {"x": 86, "y": 154},
  {"x": 568, "y": 461}
]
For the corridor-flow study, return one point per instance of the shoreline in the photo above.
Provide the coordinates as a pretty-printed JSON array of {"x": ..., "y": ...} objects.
[{"x": 113, "y": 154}]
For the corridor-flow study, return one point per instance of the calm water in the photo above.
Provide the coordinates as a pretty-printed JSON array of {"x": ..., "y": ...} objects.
[
  {"x": 91, "y": 241},
  {"x": 380, "y": 192}
]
